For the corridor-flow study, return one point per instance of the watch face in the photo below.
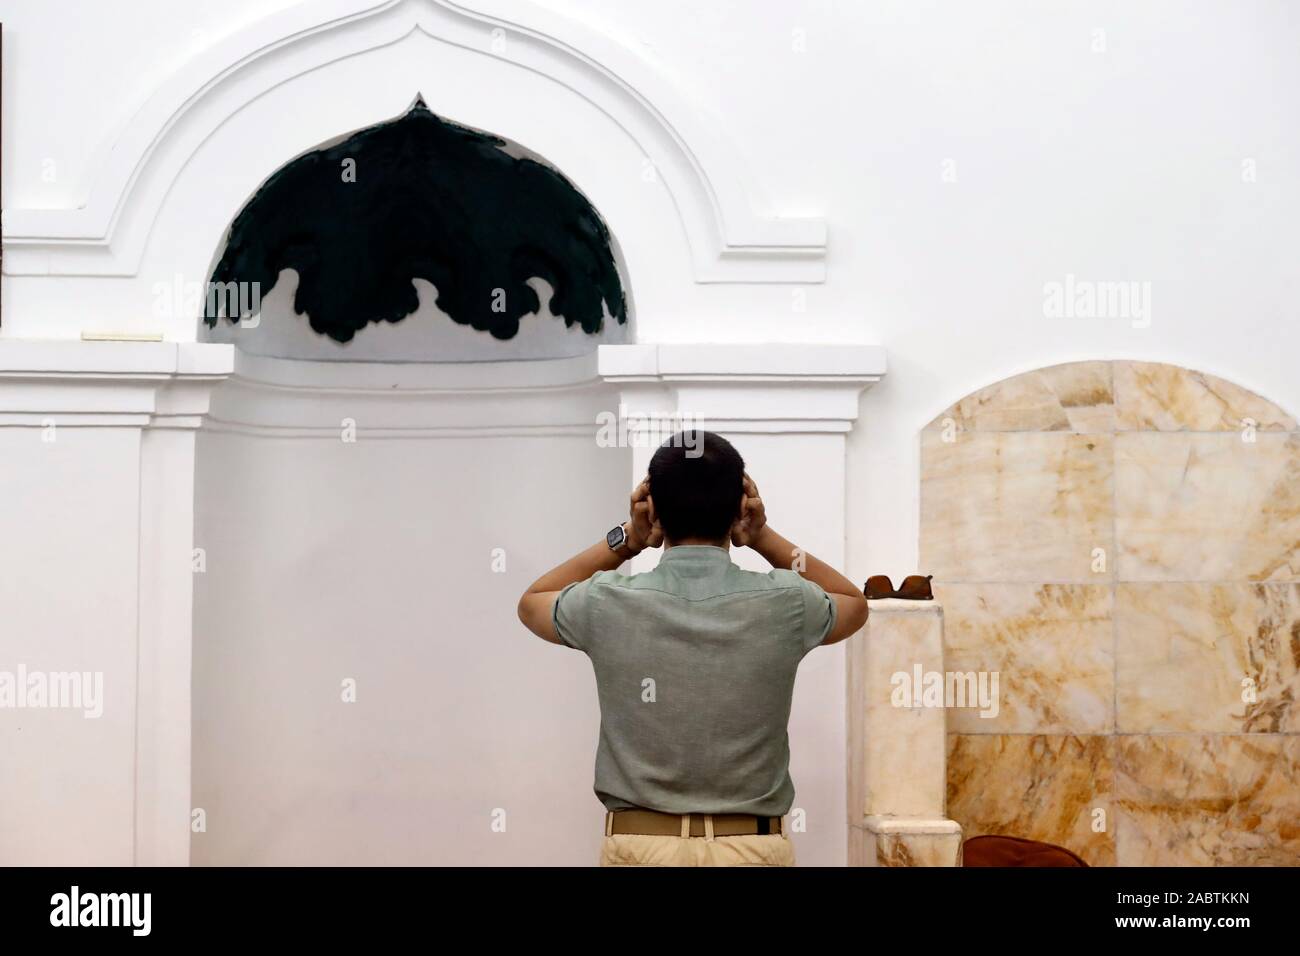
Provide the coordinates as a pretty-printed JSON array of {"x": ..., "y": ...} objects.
[{"x": 615, "y": 538}]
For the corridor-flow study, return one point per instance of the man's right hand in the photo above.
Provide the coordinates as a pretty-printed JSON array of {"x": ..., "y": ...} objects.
[{"x": 753, "y": 516}]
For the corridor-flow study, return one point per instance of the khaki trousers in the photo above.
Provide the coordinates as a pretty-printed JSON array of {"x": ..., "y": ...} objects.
[{"x": 639, "y": 849}]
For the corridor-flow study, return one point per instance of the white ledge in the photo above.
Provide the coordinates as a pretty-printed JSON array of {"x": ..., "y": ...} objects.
[
  {"x": 114, "y": 384},
  {"x": 766, "y": 361},
  {"x": 768, "y": 388},
  {"x": 132, "y": 360}
]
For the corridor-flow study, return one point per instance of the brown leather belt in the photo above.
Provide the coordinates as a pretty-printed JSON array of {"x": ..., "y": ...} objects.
[{"x": 654, "y": 823}]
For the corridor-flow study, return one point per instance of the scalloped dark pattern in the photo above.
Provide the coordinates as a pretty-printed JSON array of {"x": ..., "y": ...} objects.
[{"x": 431, "y": 200}]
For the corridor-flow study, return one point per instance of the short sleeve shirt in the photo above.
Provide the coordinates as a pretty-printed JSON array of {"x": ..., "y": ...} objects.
[{"x": 695, "y": 664}]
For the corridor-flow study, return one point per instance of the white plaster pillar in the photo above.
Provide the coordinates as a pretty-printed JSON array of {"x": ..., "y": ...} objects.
[
  {"x": 96, "y": 577},
  {"x": 787, "y": 409}
]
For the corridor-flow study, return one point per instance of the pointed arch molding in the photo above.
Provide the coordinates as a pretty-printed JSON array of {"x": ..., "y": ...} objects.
[{"x": 733, "y": 236}]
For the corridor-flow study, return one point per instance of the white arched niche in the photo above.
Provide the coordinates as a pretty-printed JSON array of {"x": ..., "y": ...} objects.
[
  {"x": 370, "y": 511},
  {"x": 374, "y": 521}
]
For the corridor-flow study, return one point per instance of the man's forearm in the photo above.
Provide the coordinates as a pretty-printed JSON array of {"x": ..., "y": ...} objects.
[
  {"x": 780, "y": 553},
  {"x": 581, "y": 566}
]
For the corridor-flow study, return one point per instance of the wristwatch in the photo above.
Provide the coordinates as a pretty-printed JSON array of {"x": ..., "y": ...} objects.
[{"x": 617, "y": 541}]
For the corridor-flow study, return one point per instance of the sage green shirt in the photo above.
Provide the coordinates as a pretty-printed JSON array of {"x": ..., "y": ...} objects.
[{"x": 695, "y": 664}]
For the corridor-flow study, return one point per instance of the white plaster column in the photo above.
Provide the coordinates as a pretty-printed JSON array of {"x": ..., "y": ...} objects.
[
  {"x": 787, "y": 409},
  {"x": 96, "y": 577}
]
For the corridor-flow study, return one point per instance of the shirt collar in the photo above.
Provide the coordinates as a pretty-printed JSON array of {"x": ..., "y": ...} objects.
[{"x": 696, "y": 554}]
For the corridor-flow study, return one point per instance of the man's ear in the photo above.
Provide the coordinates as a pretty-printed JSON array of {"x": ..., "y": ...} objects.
[{"x": 650, "y": 500}]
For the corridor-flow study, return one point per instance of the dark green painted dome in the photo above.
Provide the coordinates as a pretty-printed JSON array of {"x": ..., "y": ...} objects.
[{"x": 419, "y": 197}]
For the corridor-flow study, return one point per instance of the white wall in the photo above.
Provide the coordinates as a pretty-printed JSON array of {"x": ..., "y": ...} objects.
[
  {"x": 68, "y": 597},
  {"x": 1124, "y": 164},
  {"x": 373, "y": 561}
]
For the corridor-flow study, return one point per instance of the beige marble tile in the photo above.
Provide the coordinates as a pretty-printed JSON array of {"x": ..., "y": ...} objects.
[
  {"x": 1147, "y": 462},
  {"x": 1051, "y": 647},
  {"x": 1155, "y": 397},
  {"x": 1072, "y": 397},
  {"x": 1041, "y": 787},
  {"x": 1205, "y": 800},
  {"x": 1198, "y": 507},
  {"x": 1183, "y": 652},
  {"x": 1016, "y": 506}
]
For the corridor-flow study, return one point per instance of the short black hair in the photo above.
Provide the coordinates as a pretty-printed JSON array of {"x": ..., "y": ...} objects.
[{"x": 696, "y": 480}]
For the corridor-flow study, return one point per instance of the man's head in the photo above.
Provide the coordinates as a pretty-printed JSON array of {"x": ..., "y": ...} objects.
[{"x": 696, "y": 486}]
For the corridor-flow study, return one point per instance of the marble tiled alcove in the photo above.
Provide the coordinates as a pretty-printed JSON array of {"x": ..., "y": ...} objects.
[{"x": 1121, "y": 542}]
